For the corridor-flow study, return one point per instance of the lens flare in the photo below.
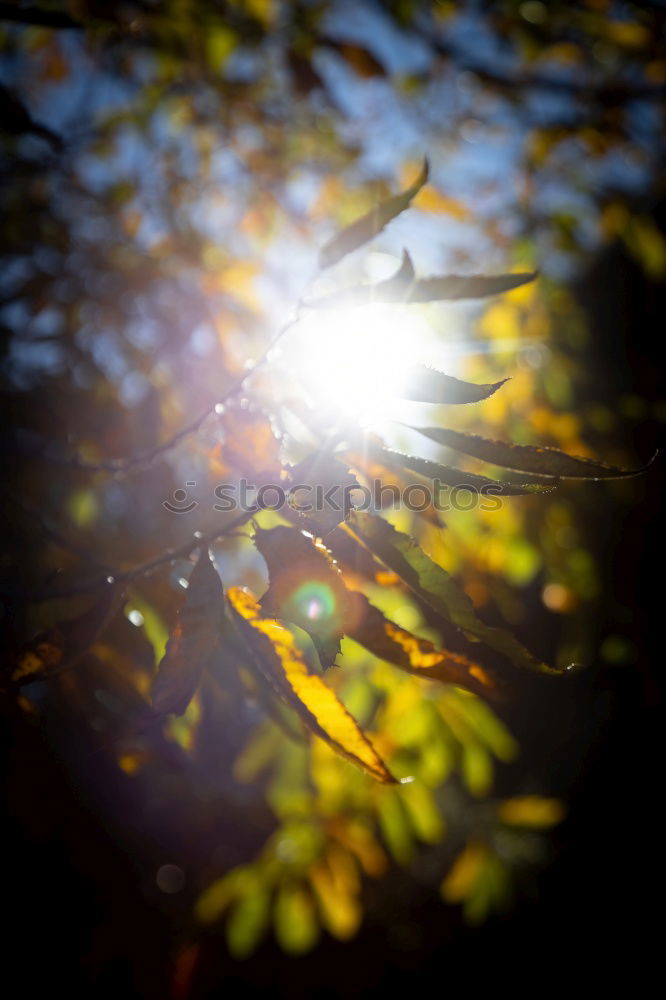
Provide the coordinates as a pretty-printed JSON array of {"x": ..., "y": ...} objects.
[
  {"x": 353, "y": 361},
  {"x": 315, "y": 601}
]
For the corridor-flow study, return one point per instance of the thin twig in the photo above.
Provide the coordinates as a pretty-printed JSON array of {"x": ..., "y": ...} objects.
[
  {"x": 198, "y": 540},
  {"x": 118, "y": 465}
]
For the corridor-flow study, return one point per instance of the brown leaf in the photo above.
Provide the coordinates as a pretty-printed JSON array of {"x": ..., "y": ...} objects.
[
  {"x": 250, "y": 446},
  {"x": 417, "y": 656},
  {"x": 305, "y": 587},
  {"x": 59, "y": 648},
  {"x": 192, "y": 642}
]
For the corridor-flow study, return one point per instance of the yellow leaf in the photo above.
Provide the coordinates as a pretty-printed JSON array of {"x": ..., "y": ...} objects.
[
  {"x": 430, "y": 200},
  {"x": 280, "y": 662},
  {"x": 464, "y": 872},
  {"x": 336, "y": 896},
  {"x": 531, "y": 811}
]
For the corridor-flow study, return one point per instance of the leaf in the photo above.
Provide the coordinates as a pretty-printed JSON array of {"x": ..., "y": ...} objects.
[
  {"x": 248, "y": 921},
  {"x": 305, "y": 587},
  {"x": 403, "y": 287},
  {"x": 250, "y": 445},
  {"x": 339, "y": 909},
  {"x": 59, "y": 648},
  {"x": 368, "y": 226},
  {"x": 395, "y": 289},
  {"x": 453, "y": 287},
  {"x": 456, "y": 478},
  {"x": 278, "y": 660},
  {"x": 531, "y": 811},
  {"x": 421, "y": 806},
  {"x": 417, "y": 656},
  {"x": 295, "y": 918},
  {"x": 192, "y": 642},
  {"x": 427, "y": 385},
  {"x": 217, "y": 897},
  {"x": 526, "y": 458},
  {"x": 327, "y": 480},
  {"x": 394, "y": 827},
  {"x": 433, "y": 585}
]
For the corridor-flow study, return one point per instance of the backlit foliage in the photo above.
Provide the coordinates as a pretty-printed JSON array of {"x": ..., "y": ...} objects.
[{"x": 315, "y": 700}]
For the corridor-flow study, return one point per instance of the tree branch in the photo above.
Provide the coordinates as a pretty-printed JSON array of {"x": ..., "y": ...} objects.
[
  {"x": 119, "y": 465},
  {"x": 198, "y": 540}
]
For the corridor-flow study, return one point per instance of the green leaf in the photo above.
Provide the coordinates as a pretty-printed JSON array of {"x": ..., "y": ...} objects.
[
  {"x": 435, "y": 587},
  {"x": 192, "y": 642},
  {"x": 427, "y": 385},
  {"x": 248, "y": 921},
  {"x": 394, "y": 827},
  {"x": 295, "y": 918},
  {"x": 368, "y": 226},
  {"x": 525, "y": 457},
  {"x": 456, "y": 478}
]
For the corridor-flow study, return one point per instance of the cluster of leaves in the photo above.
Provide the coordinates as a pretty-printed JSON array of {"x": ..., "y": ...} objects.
[
  {"x": 279, "y": 646},
  {"x": 120, "y": 255}
]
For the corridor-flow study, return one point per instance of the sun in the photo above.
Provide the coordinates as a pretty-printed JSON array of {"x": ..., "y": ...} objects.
[{"x": 354, "y": 361}]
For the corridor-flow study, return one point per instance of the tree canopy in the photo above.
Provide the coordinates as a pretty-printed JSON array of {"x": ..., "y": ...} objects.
[{"x": 306, "y": 437}]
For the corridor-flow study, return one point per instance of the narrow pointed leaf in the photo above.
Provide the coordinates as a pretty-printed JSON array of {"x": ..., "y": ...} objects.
[
  {"x": 427, "y": 385},
  {"x": 433, "y": 585},
  {"x": 456, "y": 478},
  {"x": 397, "y": 288},
  {"x": 368, "y": 226},
  {"x": 417, "y": 656},
  {"x": 192, "y": 642},
  {"x": 278, "y": 660},
  {"x": 526, "y": 458},
  {"x": 452, "y": 287},
  {"x": 403, "y": 287}
]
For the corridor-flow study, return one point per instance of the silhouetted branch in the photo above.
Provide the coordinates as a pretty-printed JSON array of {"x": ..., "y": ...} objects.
[{"x": 117, "y": 465}]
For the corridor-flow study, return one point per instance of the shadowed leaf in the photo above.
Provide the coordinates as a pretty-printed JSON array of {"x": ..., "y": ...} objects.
[
  {"x": 368, "y": 226},
  {"x": 59, "y": 648},
  {"x": 395, "y": 289},
  {"x": 456, "y": 478},
  {"x": 452, "y": 287},
  {"x": 526, "y": 458},
  {"x": 192, "y": 642},
  {"x": 250, "y": 445},
  {"x": 417, "y": 656},
  {"x": 279, "y": 661},
  {"x": 403, "y": 287},
  {"x": 433, "y": 585},
  {"x": 427, "y": 385},
  {"x": 305, "y": 587}
]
